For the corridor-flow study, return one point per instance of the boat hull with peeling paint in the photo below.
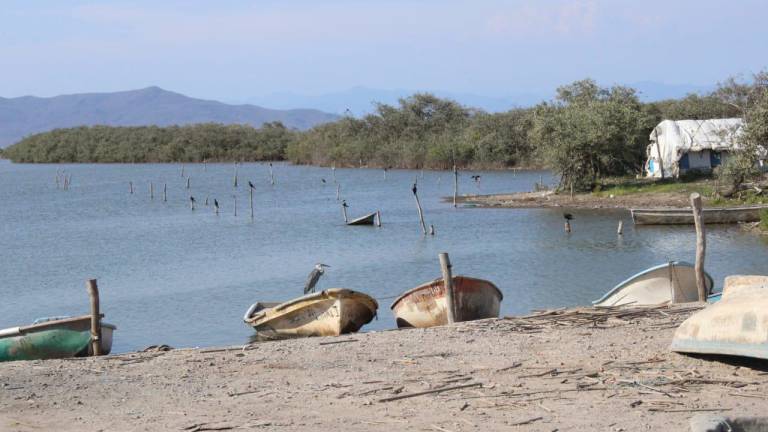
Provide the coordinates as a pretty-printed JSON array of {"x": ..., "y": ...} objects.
[
  {"x": 684, "y": 216},
  {"x": 331, "y": 312},
  {"x": 674, "y": 282},
  {"x": 426, "y": 305},
  {"x": 736, "y": 325}
]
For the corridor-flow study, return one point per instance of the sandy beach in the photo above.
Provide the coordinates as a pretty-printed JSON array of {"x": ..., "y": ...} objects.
[{"x": 566, "y": 370}]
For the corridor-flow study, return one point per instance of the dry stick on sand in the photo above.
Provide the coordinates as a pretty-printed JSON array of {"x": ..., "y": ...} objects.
[{"x": 439, "y": 390}]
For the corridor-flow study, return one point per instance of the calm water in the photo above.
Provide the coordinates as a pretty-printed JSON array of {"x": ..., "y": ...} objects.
[{"x": 174, "y": 276}]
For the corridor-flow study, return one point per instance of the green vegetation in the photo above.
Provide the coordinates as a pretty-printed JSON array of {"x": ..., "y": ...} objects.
[
  {"x": 629, "y": 187},
  {"x": 764, "y": 219},
  {"x": 196, "y": 143},
  {"x": 585, "y": 135}
]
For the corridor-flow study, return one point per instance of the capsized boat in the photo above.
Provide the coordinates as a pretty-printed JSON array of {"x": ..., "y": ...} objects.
[
  {"x": 426, "y": 305},
  {"x": 672, "y": 282},
  {"x": 736, "y": 325},
  {"x": 368, "y": 219},
  {"x": 49, "y": 338},
  {"x": 684, "y": 216},
  {"x": 331, "y": 312}
]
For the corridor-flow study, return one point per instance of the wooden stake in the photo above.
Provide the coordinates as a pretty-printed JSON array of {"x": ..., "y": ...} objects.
[
  {"x": 205, "y": 165},
  {"x": 250, "y": 190},
  {"x": 455, "y": 184},
  {"x": 333, "y": 173},
  {"x": 235, "y": 205},
  {"x": 188, "y": 179},
  {"x": 182, "y": 170},
  {"x": 701, "y": 246},
  {"x": 421, "y": 212},
  {"x": 431, "y": 229},
  {"x": 385, "y": 173},
  {"x": 272, "y": 175},
  {"x": 378, "y": 218},
  {"x": 130, "y": 187},
  {"x": 344, "y": 211},
  {"x": 620, "y": 229},
  {"x": 234, "y": 181},
  {"x": 58, "y": 186},
  {"x": 165, "y": 192},
  {"x": 93, "y": 293},
  {"x": 445, "y": 266},
  {"x": 151, "y": 191},
  {"x": 568, "y": 226},
  {"x": 338, "y": 191},
  {"x": 206, "y": 200}
]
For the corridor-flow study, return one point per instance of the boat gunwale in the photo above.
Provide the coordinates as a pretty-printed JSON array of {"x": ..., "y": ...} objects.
[
  {"x": 55, "y": 323},
  {"x": 625, "y": 282},
  {"x": 321, "y": 295},
  {"x": 426, "y": 284},
  {"x": 363, "y": 218},
  {"x": 688, "y": 210}
]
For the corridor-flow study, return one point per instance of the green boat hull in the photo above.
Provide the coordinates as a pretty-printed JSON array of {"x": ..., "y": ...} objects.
[{"x": 45, "y": 344}]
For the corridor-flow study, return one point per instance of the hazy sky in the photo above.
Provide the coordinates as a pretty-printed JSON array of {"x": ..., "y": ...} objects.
[{"x": 231, "y": 49}]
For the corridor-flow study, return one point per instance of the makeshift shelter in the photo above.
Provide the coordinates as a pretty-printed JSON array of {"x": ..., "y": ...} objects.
[{"x": 678, "y": 146}]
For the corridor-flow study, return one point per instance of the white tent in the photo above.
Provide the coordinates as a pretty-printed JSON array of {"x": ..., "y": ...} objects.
[{"x": 682, "y": 145}]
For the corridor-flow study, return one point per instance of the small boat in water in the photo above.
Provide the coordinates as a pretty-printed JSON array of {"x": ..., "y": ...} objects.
[
  {"x": 426, "y": 305},
  {"x": 672, "y": 282},
  {"x": 369, "y": 219},
  {"x": 50, "y": 338},
  {"x": 331, "y": 312},
  {"x": 735, "y": 325},
  {"x": 684, "y": 216}
]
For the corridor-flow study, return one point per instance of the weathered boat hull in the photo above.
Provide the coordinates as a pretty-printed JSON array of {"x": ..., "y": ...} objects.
[
  {"x": 671, "y": 282},
  {"x": 684, "y": 216},
  {"x": 331, "y": 312},
  {"x": 62, "y": 338},
  {"x": 368, "y": 219},
  {"x": 426, "y": 305},
  {"x": 736, "y": 325}
]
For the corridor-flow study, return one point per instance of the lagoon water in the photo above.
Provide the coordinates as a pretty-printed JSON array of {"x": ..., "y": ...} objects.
[{"x": 169, "y": 275}]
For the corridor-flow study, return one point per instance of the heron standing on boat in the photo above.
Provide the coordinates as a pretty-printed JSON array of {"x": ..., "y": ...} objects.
[{"x": 314, "y": 276}]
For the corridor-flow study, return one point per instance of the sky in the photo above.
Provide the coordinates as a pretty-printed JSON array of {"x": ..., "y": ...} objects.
[{"x": 231, "y": 50}]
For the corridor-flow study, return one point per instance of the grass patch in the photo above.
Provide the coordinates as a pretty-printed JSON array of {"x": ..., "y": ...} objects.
[
  {"x": 621, "y": 187},
  {"x": 764, "y": 220}
]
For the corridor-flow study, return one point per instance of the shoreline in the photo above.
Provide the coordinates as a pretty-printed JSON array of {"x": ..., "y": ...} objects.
[
  {"x": 567, "y": 369},
  {"x": 549, "y": 199}
]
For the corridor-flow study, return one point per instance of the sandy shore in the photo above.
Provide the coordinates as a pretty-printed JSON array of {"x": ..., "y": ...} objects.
[
  {"x": 550, "y": 199},
  {"x": 565, "y": 372}
]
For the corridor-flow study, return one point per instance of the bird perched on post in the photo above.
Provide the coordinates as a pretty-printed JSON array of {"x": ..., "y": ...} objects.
[
  {"x": 216, "y": 205},
  {"x": 314, "y": 276},
  {"x": 250, "y": 185},
  {"x": 192, "y": 202},
  {"x": 568, "y": 217},
  {"x": 414, "y": 189}
]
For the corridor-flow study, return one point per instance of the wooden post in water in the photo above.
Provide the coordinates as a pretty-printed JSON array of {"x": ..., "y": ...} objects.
[
  {"x": 431, "y": 229},
  {"x": 701, "y": 246},
  {"x": 455, "y": 184},
  {"x": 234, "y": 180},
  {"x": 250, "y": 194},
  {"x": 151, "y": 191},
  {"x": 271, "y": 175},
  {"x": 235, "y": 205},
  {"x": 192, "y": 203},
  {"x": 130, "y": 187},
  {"x": 206, "y": 200},
  {"x": 58, "y": 186},
  {"x": 418, "y": 206},
  {"x": 165, "y": 192},
  {"x": 93, "y": 293},
  {"x": 338, "y": 191},
  {"x": 188, "y": 179},
  {"x": 378, "y": 218},
  {"x": 385, "y": 173},
  {"x": 333, "y": 173},
  {"x": 620, "y": 229},
  {"x": 182, "y": 170},
  {"x": 205, "y": 165},
  {"x": 445, "y": 266},
  {"x": 344, "y": 211},
  {"x": 216, "y": 206}
]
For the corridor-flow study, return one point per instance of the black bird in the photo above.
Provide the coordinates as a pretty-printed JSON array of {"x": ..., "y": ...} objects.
[
  {"x": 344, "y": 203},
  {"x": 192, "y": 199},
  {"x": 476, "y": 178},
  {"x": 215, "y": 203},
  {"x": 323, "y": 180},
  {"x": 251, "y": 185},
  {"x": 568, "y": 216},
  {"x": 414, "y": 189}
]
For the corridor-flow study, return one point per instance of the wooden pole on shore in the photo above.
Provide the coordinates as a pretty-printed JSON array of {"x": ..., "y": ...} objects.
[
  {"x": 701, "y": 246},
  {"x": 445, "y": 266},
  {"x": 93, "y": 294},
  {"x": 418, "y": 206},
  {"x": 455, "y": 184},
  {"x": 165, "y": 192}
]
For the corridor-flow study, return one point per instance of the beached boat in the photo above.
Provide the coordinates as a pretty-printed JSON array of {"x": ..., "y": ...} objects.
[
  {"x": 331, "y": 312},
  {"x": 426, "y": 305},
  {"x": 49, "y": 338},
  {"x": 672, "y": 282},
  {"x": 684, "y": 216},
  {"x": 368, "y": 219},
  {"x": 736, "y": 325}
]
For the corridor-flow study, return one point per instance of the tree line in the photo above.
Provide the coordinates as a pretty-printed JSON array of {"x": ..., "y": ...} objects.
[{"x": 587, "y": 132}]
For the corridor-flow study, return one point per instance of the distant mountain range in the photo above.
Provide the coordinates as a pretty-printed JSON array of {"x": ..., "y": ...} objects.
[
  {"x": 27, "y": 115},
  {"x": 361, "y": 100}
]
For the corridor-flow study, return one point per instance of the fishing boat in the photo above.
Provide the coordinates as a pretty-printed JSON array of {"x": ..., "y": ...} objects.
[
  {"x": 684, "y": 216},
  {"x": 49, "y": 338},
  {"x": 368, "y": 219},
  {"x": 426, "y": 305},
  {"x": 673, "y": 282},
  {"x": 735, "y": 325},
  {"x": 331, "y": 312}
]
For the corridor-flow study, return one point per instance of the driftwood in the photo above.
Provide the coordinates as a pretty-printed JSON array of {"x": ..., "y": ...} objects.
[{"x": 426, "y": 392}]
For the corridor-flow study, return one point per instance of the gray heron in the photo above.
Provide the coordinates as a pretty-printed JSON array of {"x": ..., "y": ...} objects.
[{"x": 314, "y": 276}]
